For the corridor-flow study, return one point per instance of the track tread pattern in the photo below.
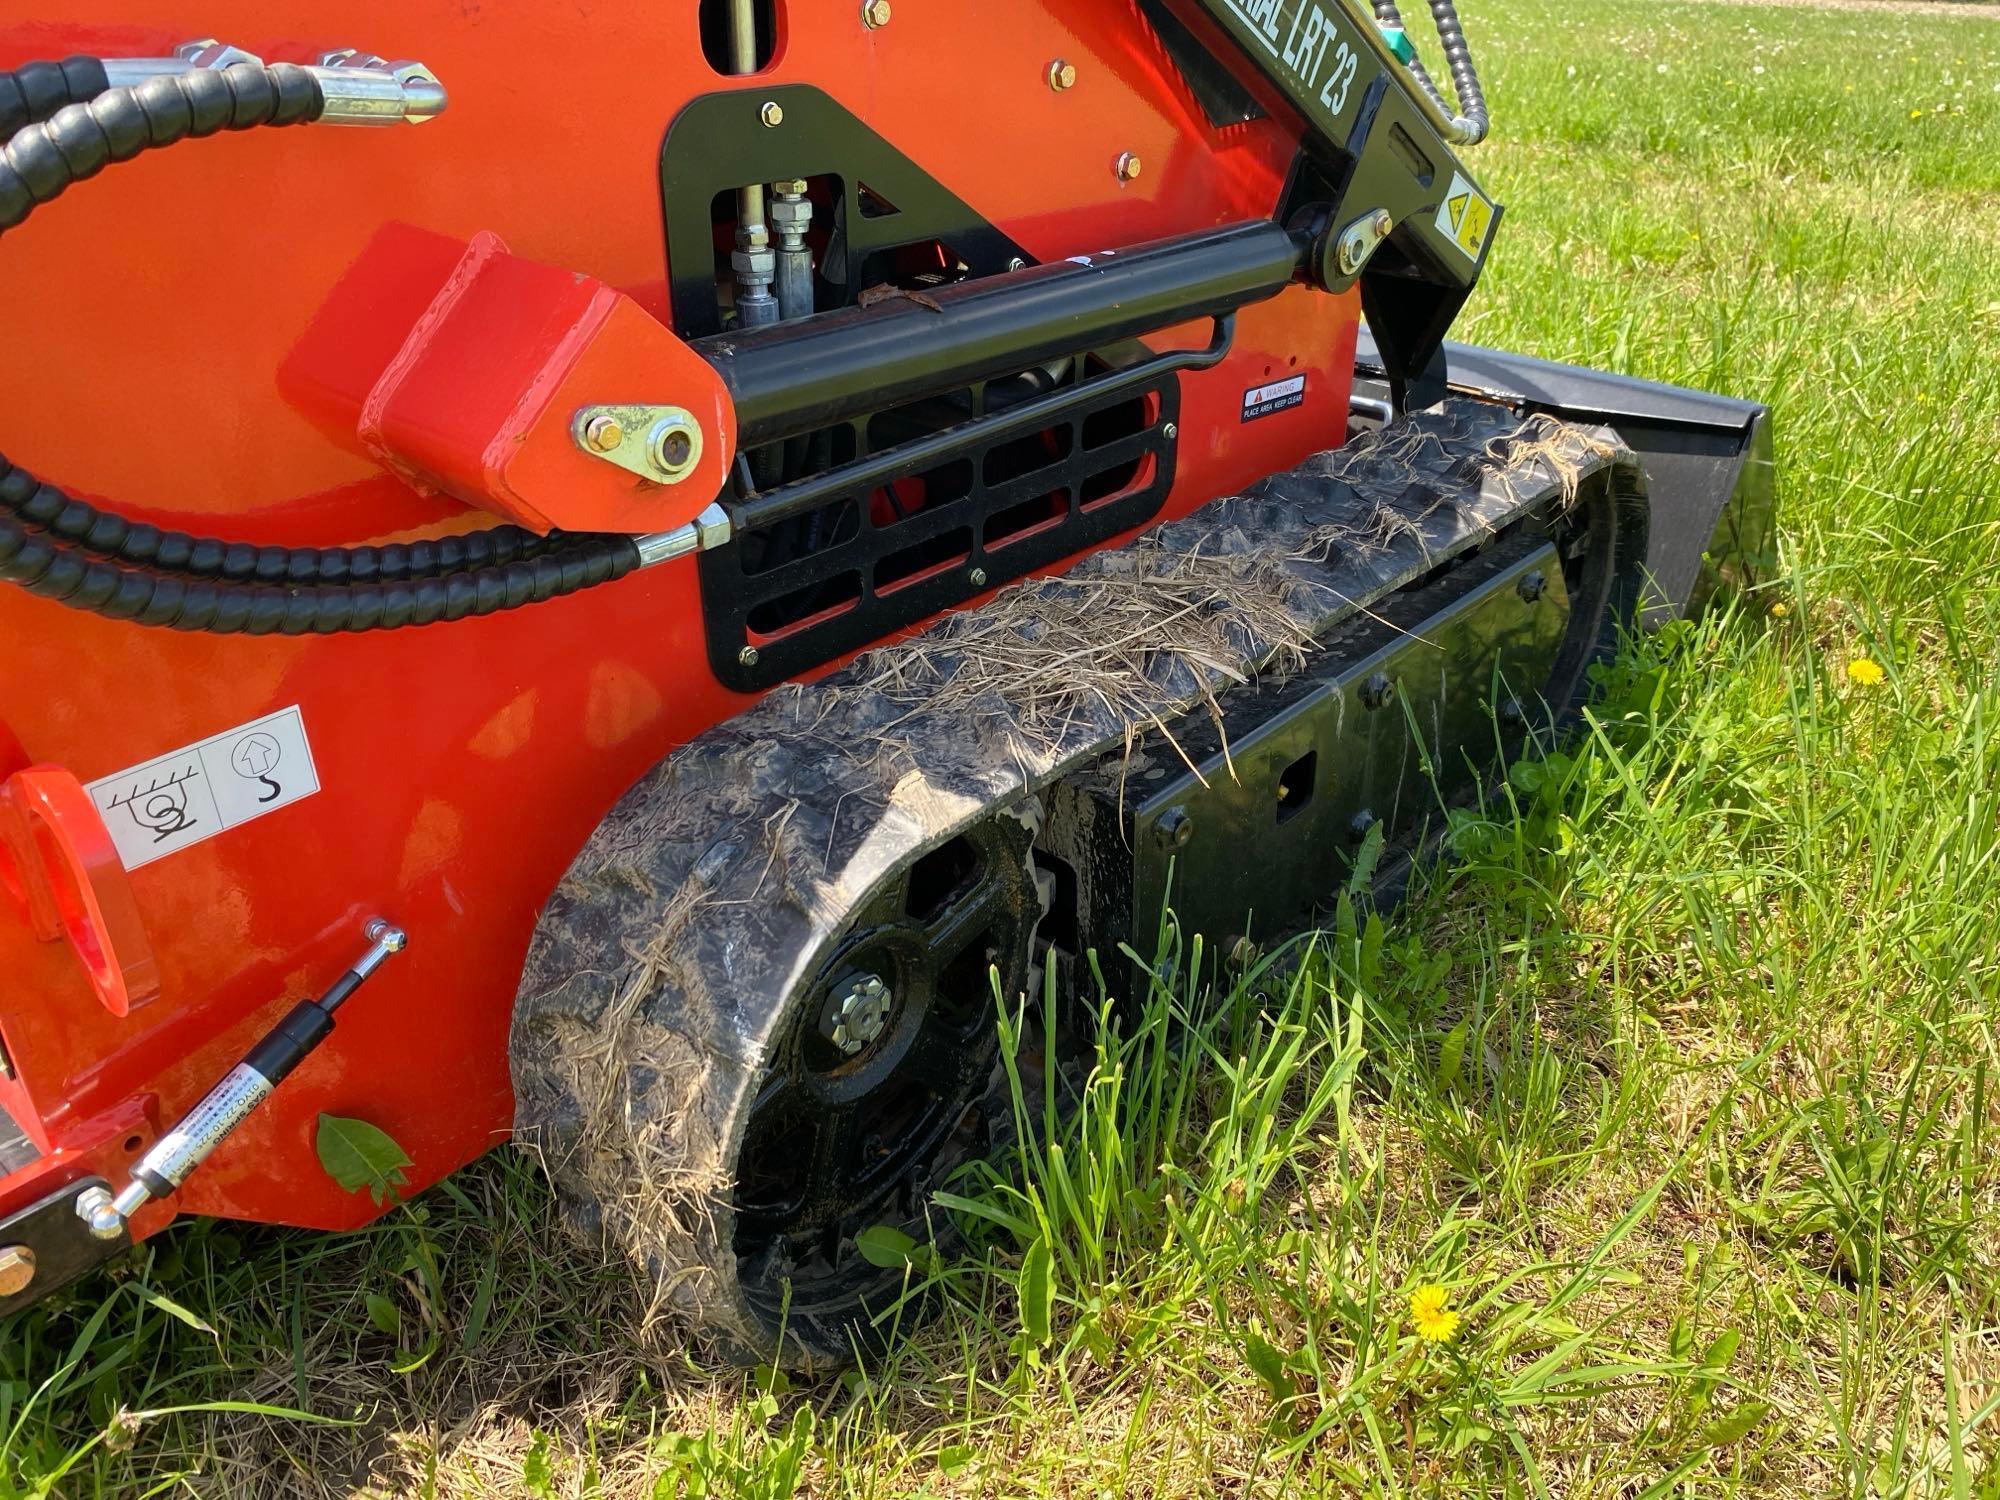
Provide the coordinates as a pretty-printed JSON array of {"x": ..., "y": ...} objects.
[{"x": 666, "y": 960}]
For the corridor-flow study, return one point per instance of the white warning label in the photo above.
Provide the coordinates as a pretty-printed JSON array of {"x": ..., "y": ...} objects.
[
  {"x": 195, "y": 793},
  {"x": 1279, "y": 395},
  {"x": 1465, "y": 217}
]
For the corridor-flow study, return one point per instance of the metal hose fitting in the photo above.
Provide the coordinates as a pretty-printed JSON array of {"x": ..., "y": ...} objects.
[{"x": 1467, "y": 127}]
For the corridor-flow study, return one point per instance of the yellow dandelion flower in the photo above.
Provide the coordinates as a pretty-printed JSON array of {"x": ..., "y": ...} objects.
[
  {"x": 1780, "y": 610},
  {"x": 1435, "y": 1321},
  {"x": 1865, "y": 672}
]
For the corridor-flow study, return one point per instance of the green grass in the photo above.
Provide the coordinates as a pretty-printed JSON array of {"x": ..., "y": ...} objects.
[{"x": 1680, "y": 1075}]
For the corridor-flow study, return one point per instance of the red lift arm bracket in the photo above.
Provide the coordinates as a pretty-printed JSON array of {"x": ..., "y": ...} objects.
[
  {"x": 461, "y": 368},
  {"x": 57, "y": 856}
]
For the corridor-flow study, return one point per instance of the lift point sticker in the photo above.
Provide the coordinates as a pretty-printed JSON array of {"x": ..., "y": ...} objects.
[
  {"x": 1465, "y": 216},
  {"x": 175, "y": 800}
]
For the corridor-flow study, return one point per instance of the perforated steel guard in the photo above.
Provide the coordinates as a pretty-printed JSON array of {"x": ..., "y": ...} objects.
[{"x": 873, "y": 576}]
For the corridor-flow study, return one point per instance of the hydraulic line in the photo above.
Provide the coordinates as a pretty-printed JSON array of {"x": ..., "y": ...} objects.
[
  {"x": 66, "y": 519},
  {"x": 223, "y": 608},
  {"x": 34, "y": 91},
  {"x": 201, "y": 583},
  {"x": 43, "y": 160},
  {"x": 1468, "y": 127}
]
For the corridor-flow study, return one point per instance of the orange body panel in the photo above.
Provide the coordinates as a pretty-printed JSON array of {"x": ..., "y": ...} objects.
[{"x": 461, "y": 765}]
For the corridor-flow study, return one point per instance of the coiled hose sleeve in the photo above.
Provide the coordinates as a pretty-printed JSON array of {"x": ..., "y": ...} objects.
[
  {"x": 66, "y": 519},
  {"x": 1469, "y": 126},
  {"x": 220, "y": 608},
  {"x": 40, "y": 162},
  {"x": 36, "y": 90},
  {"x": 199, "y": 583}
]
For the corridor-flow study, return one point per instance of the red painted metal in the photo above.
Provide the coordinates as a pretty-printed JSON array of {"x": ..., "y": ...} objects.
[
  {"x": 57, "y": 857},
  {"x": 473, "y": 395},
  {"x": 150, "y": 312}
]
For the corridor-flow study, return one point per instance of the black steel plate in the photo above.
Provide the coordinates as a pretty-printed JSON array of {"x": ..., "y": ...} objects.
[{"x": 63, "y": 1245}]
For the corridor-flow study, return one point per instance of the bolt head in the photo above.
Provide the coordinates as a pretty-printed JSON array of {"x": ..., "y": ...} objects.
[
  {"x": 771, "y": 112},
  {"x": 1381, "y": 224},
  {"x": 95, "y": 1207},
  {"x": 1129, "y": 166},
  {"x": 1174, "y": 829},
  {"x": 17, "y": 1269},
  {"x": 1532, "y": 586},
  {"x": 1360, "y": 823},
  {"x": 977, "y": 578},
  {"x": 1170, "y": 431},
  {"x": 858, "y": 1013},
  {"x": 1512, "y": 714},
  {"x": 875, "y": 13},
  {"x": 392, "y": 938},
  {"x": 1016, "y": 263},
  {"x": 1378, "y": 691},
  {"x": 1062, "y": 75},
  {"x": 747, "y": 657},
  {"x": 603, "y": 433}
]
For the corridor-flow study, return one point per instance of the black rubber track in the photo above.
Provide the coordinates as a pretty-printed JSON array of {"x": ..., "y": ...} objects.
[{"x": 709, "y": 906}]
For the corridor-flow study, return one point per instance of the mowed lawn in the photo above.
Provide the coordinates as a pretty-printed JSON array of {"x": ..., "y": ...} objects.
[{"x": 1679, "y": 1078}]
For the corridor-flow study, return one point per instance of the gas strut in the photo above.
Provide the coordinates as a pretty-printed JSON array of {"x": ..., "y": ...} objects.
[{"x": 247, "y": 1085}]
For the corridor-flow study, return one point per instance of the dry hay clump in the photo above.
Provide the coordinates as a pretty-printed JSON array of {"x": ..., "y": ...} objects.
[
  {"x": 1146, "y": 631},
  {"x": 1394, "y": 471}
]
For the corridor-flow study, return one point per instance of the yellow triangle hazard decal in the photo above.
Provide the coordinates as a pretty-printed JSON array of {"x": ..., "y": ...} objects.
[
  {"x": 1472, "y": 225},
  {"x": 1456, "y": 207}
]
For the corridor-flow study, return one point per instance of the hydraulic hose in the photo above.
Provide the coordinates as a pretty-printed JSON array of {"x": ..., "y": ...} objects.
[
  {"x": 202, "y": 583},
  {"x": 1467, "y": 127},
  {"x": 42, "y": 161},
  {"x": 36, "y": 90},
  {"x": 67, "y": 519},
  {"x": 222, "y": 608}
]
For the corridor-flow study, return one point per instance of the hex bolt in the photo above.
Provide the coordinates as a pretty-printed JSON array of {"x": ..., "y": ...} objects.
[
  {"x": 1016, "y": 263},
  {"x": 1174, "y": 829},
  {"x": 1129, "y": 166},
  {"x": 977, "y": 578},
  {"x": 1170, "y": 431},
  {"x": 1360, "y": 823},
  {"x": 1378, "y": 691},
  {"x": 17, "y": 1269},
  {"x": 747, "y": 657},
  {"x": 1532, "y": 586},
  {"x": 875, "y": 14},
  {"x": 603, "y": 433},
  {"x": 857, "y": 1013},
  {"x": 1512, "y": 714},
  {"x": 771, "y": 113},
  {"x": 1062, "y": 75}
]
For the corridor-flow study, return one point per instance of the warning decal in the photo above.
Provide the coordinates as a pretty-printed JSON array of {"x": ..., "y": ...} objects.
[
  {"x": 176, "y": 800},
  {"x": 1465, "y": 217},
  {"x": 1279, "y": 395}
]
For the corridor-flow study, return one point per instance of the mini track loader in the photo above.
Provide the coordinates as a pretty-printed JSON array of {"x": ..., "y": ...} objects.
[{"x": 760, "y": 521}]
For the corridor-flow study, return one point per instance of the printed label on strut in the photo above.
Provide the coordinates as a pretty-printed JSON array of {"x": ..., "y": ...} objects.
[
  {"x": 176, "y": 800},
  {"x": 1279, "y": 395}
]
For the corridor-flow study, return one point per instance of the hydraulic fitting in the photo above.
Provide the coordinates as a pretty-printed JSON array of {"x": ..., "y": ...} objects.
[
  {"x": 362, "y": 89},
  {"x": 791, "y": 214},
  {"x": 206, "y": 52},
  {"x": 756, "y": 267},
  {"x": 358, "y": 88}
]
